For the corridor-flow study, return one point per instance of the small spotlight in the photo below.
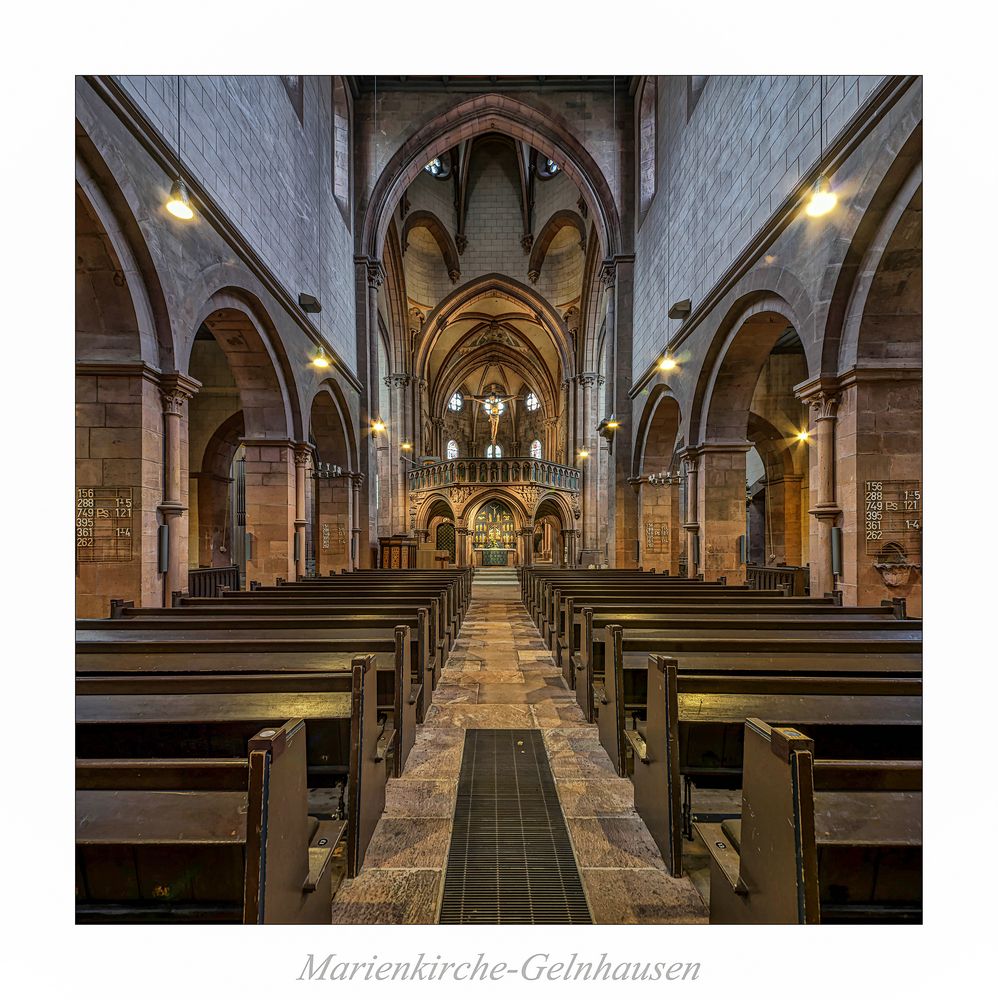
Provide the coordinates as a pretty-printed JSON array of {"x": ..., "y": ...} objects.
[
  {"x": 667, "y": 364},
  {"x": 309, "y": 303},
  {"x": 179, "y": 203},
  {"x": 680, "y": 309},
  {"x": 803, "y": 436},
  {"x": 822, "y": 199},
  {"x": 321, "y": 360},
  {"x": 378, "y": 426},
  {"x": 612, "y": 425},
  {"x": 406, "y": 446},
  {"x": 583, "y": 453}
]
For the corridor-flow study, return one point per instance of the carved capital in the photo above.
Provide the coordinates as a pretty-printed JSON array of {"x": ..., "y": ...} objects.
[
  {"x": 461, "y": 242},
  {"x": 527, "y": 242},
  {"x": 821, "y": 394},
  {"x": 397, "y": 380},
  {"x": 608, "y": 273},
  {"x": 375, "y": 273},
  {"x": 175, "y": 390},
  {"x": 533, "y": 275},
  {"x": 453, "y": 274},
  {"x": 303, "y": 455}
]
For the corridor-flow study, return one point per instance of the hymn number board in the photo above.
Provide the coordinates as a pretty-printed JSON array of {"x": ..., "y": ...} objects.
[
  {"x": 104, "y": 524},
  {"x": 893, "y": 514}
]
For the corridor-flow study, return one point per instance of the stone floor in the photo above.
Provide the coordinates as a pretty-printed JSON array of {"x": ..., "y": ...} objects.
[{"x": 499, "y": 675}]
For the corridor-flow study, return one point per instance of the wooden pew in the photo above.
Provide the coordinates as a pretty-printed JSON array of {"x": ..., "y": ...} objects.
[
  {"x": 589, "y": 663},
  {"x": 689, "y": 742},
  {"x": 774, "y": 650},
  {"x": 146, "y": 703},
  {"x": 574, "y": 642},
  {"x": 819, "y": 840},
  {"x": 208, "y": 840},
  {"x": 405, "y": 681}
]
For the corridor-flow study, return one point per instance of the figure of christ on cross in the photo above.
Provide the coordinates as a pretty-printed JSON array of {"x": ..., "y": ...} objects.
[{"x": 493, "y": 408}]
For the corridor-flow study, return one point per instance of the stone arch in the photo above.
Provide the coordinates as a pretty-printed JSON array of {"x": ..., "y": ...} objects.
[
  {"x": 521, "y": 515},
  {"x": 881, "y": 195},
  {"x": 658, "y": 432},
  {"x": 331, "y": 428},
  {"x": 422, "y": 219},
  {"x": 250, "y": 345},
  {"x": 503, "y": 286},
  {"x": 433, "y": 505},
  {"x": 560, "y": 220},
  {"x": 549, "y": 134},
  {"x": 128, "y": 275},
  {"x": 210, "y": 505},
  {"x": 731, "y": 366},
  {"x": 883, "y": 320}
]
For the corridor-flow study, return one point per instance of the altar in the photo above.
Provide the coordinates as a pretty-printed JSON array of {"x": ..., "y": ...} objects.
[
  {"x": 494, "y": 537},
  {"x": 495, "y": 556}
]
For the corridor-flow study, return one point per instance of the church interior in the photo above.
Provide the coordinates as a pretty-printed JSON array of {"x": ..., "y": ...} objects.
[{"x": 498, "y": 499}]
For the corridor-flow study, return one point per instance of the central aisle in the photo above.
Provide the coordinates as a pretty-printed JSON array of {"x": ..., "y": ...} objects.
[{"x": 500, "y": 676}]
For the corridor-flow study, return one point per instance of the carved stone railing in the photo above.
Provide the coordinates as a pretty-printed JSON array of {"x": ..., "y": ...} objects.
[{"x": 488, "y": 471}]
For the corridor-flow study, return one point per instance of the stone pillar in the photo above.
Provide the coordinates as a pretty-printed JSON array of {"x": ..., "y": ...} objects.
[
  {"x": 783, "y": 519},
  {"x": 400, "y": 420},
  {"x": 618, "y": 277},
  {"x": 334, "y": 528},
  {"x": 722, "y": 509},
  {"x": 270, "y": 508},
  {"x": 571, "y": 536},
  {"x": 356, "y": 531},
  {"x": 586, "y": 399},
  {"x": 691, "y": 460},
  {"x": 303, "y": 458},
  {"x": 526, "y": 537},
  {"x": 176, "y": 391},
  {"x": 662, "y": 535},
  {"x": 822, "y": 397},
  {"x": 369, "y": 275},
  {"x": 437, "y": 446}
]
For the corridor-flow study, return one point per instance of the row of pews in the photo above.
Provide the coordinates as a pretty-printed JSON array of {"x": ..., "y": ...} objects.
[
  {"x": 233, "y": 752},
  {"x": 783, "y": 732}
]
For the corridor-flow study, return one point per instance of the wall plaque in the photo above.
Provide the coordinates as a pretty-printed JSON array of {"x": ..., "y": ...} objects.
[
  {"x": 656, "y": 537},
  {"x": 893, "y": 517},
  {"x": 103, "y": 523}
]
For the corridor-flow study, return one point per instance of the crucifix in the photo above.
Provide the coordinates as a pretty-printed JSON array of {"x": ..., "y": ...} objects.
[{"x": 493, "y": 408}]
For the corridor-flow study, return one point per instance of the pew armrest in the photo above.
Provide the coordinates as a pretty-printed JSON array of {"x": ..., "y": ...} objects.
[
  {"x": 319, "y": 859},
  {"x": 386, "y": 744},
  {"x": 638, "y": 745},
  {"x": 723, "y": 852}
]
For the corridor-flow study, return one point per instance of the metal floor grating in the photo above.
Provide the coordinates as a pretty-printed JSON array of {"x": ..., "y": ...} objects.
[{"x": 510, "y": 859}]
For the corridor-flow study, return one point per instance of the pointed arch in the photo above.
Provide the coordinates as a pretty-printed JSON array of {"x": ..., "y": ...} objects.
[
  {"x": 559, "y": 221},
  {"x": 422, "y": 219}
]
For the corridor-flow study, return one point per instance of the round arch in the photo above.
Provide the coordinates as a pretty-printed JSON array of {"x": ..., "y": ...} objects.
[
  {"x": 331, "y": 428},
  {"x": 658, "y": 431},
  {"x": 251, "y": 347},
  {"x": 550, "y": 135}
]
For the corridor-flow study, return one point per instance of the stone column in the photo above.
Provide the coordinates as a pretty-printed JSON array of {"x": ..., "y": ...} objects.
[
  {"x": 571, "y": 546},
  {"x": 783, "y": 517},
  {"x": 400, "y": 419},
  {"x": 356, "y": 530},
  {"x": 176, "y": 390},
  {"x": 691, "y": 460},
  {"x": 369, "y": 275},
  {"x": 722, "y": 509},
  {"x": 618, "y": 276},
  {"x": 822, "y": 397},
  {"x": 437, "y": 445},
  {"x": 526, "y": 536},
  {"x": 303, "y": 458},
  {"x": 586, "y": 401},
  {"x": 662, "y": 536},
  {"x": 270, "y": 508}
]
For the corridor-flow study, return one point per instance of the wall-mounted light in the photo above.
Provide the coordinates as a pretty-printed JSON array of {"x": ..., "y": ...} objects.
[
  {"x": 583, "y": 453},
  {"x": 822, "y": 199},
  {"x": 406, "y": 446},
  {"x": 378, "y": 425},
  {"x": 326, "y": 470},
  {"x": 179, "y": 202},
  {"x": 803, "y": 436},
  {"x": 321, "y": 359},
  {"x": 607, "y": 428},
  {"x": 680, "y": 309},
  {"x": 309, "y": 303},
  {"x": 660, "y": 479},
  {"x": 667, "y": 364}
]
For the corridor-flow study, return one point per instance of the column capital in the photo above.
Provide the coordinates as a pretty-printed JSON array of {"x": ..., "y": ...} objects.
[
  {"x": 303, "y": 454},
  {"x": 397, "y": 380},
  {"x": 821, "y": 394},
  {"x": 374, "y": 269},
  {"x": 608, "y": 273},
  {"x": 176, "y": 389}
]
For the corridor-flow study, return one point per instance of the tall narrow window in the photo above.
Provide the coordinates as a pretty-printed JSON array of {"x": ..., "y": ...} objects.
[
  {"x": 295, "y": 87},
  {"x": 493, "y": 451},
  {"x": 456, "y": 403},
  {"x": 694, "y": 88},
  {"x": 451, "y": 450},
  {"x": 647, "y": 133},
  {"x": 535, "y": 449},
  {"x": 341, "y": 146},
  {"x": 532, "y": 402}
]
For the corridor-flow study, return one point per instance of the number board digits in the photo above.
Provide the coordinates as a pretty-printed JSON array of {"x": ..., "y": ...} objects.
[
  {"x": 893, "y": 514},
  {"x": 103, "y": 523}
]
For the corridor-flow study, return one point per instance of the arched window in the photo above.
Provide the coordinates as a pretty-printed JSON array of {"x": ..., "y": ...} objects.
[
  {"x": 546, "y": 167},
  {"x": 500, "y": 406},
  {"x": 493, "y": 451},
  {"x": 535, "y": 449},
  {"x": 341, "y": 146},
  {"x": 439, "y": 166},
  {"x": 532, "y": 402},
  {"x": 456, "y": 403},
  {"x": 451, "y": 450}
]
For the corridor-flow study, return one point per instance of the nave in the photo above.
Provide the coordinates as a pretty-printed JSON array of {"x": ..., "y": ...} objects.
[{"x": 500, "y": 676}]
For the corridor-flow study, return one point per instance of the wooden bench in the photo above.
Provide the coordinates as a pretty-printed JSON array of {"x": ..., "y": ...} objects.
[
  {"x": 684, "y": 746},
  {"x": 778, "y": 650},
  {"x": 405, "y": 682},
  {"x": 146, "y": 703},
  {"x": 819, "y": 840},
  {"x": 204, "y": 840}
]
